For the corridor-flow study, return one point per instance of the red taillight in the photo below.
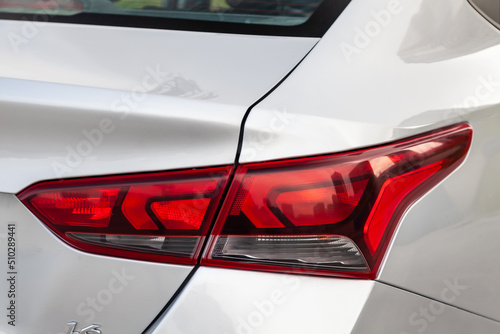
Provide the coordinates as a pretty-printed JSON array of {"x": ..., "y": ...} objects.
[
  {"x": 159, "y": 217},
  {"x": 75, "y": 208},
  {"x": 330, "y": 215},
  {"x": 327, "y": 215},
  {"x": 181, "y": 214}
]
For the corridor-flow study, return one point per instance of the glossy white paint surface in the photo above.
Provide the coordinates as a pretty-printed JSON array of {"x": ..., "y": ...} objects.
[
  {"x": 56, "y": 284},
  {"x": 392, "y": 310},
  {"x": 168, "y": 99},
  {"x": 452, "y": 234},
  {"x": 236, "y": 69},
  {"x": 46, "y": 135},
  {"x": 220, "y": 301},
  {"x": 419, "y": 70}
]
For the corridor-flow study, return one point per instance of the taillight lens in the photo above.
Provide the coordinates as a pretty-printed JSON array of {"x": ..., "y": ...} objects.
[
  {"x": 329, "y": 215},
  {"x": 158, "y": 217}
]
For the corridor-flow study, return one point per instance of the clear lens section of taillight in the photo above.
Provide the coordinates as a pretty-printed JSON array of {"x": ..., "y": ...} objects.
[
  {"x": 324, "y": 251},
  {"x": 330, "y": 215},
  {"x": 158, "y": 217}
]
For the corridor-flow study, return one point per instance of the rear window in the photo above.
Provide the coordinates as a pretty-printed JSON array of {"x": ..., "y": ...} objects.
[{"x": 277, "y": 15}]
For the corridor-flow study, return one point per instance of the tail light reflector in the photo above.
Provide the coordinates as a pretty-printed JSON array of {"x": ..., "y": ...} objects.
[
  {"x": 158, "y": 217},
  {"x": 329, "y": 215}
]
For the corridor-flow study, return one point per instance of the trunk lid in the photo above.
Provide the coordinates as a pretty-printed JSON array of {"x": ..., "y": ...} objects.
[{"x": 113, "y": 101}]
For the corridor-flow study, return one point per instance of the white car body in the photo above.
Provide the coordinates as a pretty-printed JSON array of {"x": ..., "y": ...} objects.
[{"x": 368, "y": 81}]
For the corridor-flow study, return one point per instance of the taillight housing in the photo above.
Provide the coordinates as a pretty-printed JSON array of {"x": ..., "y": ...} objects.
[
  {"x": 329, "y": 215},
  {"x": 161, "y": 217}
]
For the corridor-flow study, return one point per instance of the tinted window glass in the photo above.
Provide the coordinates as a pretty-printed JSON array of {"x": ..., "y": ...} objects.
[
  {"x": 307, "y": 18},
  {"x": 273, "y": 12}
]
